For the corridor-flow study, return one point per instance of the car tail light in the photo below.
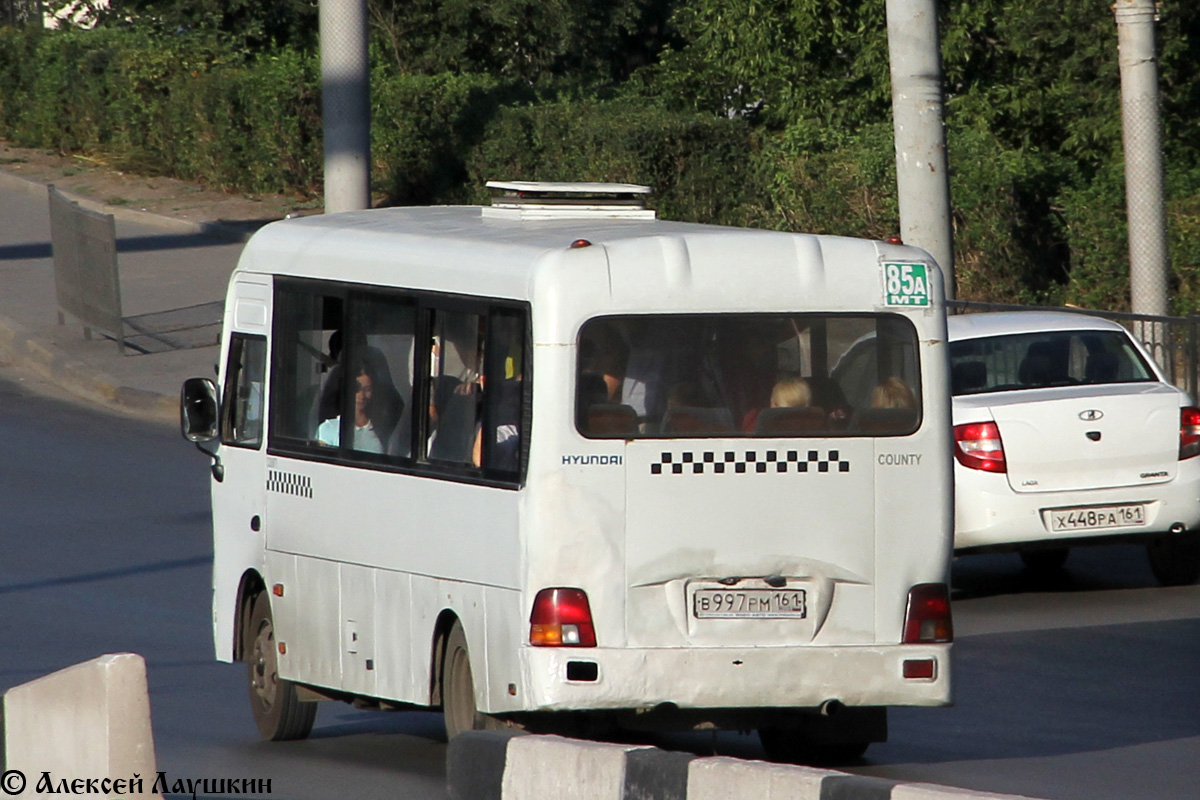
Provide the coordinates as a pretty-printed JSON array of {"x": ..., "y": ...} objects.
[
  {"x": 1189, "y": 432},
  {"x": 561, "y": 618},
  {"x": 927, "y": 619},
  {"x": 978, "y": 446}
]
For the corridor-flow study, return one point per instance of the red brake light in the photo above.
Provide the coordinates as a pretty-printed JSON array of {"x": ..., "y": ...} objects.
[
  {"x": 978, "y": 446},
  {"x": 1189, "y": 432},
  {"x": 927, "y": 619},
  {"x": 561, "y": 618}
]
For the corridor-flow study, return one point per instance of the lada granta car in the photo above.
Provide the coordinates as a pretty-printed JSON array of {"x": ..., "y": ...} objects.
[{"x": 1067, "y": 433}]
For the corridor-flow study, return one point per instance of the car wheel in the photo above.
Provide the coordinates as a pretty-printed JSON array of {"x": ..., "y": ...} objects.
[
  {"x": 1175, "y": 559},
  {"x": 278, "y": 711},
  {"x": 1045, "y": 560}
]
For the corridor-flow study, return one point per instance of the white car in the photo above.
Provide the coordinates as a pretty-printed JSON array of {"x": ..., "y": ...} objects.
[{"x": 1067, "y": 433}]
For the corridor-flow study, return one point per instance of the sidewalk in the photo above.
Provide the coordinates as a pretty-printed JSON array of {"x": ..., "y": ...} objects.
[{"x": 170, "y": 267}]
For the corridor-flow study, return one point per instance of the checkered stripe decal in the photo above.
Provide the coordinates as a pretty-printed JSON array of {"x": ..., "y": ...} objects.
[
  {"x": 289, "y": 483},
  {"x": 749, "y": 461}
]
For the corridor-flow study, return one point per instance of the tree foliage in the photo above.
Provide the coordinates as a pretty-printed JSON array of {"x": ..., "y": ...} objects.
[
  {"x": 249, "y": 26},
  {"x": 589, "y": 40},
  {"x": 774, "y": 113}
]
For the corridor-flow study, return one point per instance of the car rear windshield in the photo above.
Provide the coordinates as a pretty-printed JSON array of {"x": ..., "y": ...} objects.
[
  {"x": 751, "y": 375},
  {"x": 1036, "y": 360}
]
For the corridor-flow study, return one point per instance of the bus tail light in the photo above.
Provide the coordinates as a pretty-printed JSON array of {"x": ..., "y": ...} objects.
[
  {"x": 978, "y": 446},
  {"x": 927, "y": 619},
  {"x": 561, "y": 618},
  {"x": 1189, "y": 432}
]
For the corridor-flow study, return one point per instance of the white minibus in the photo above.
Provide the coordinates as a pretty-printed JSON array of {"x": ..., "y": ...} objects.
[{"x": 558, "y": 464}]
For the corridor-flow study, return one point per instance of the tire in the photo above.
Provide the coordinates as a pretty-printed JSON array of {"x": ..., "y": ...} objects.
[
  {"x": 790, "y": 747},
  {"x": 1043, "y": 561},
  {"x": 278, "y": 712},
  {"x": 458, "y": 690},
  {"x": 1175, "y": 559}
]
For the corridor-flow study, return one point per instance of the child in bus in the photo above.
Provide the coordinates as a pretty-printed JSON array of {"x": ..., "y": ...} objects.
[
  {"x": 893, "y": 393},
  {"x": 788, "y": 392}
]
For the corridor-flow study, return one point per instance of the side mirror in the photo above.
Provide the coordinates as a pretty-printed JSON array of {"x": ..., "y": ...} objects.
[
  {"x": 199, "y": 413},
  {"x": 198, "y": 410}
]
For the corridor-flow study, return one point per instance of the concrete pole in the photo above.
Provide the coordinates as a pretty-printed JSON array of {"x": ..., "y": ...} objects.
[
  {"x": 345, "y": 105},
  {"x": 922, "y": 178},
  {"x": 1144, "y": 205}
]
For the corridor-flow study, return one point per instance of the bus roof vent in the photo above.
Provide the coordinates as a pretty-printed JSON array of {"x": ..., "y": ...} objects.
[{"x": 549, "y": 200}]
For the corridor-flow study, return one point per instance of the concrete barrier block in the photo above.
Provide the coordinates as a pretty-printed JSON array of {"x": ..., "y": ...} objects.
[
  {"x": 929, "y": 791},
  {"x": 540, "y": 767},
  {"x": 722, "y": 778},
  {"x": 856, "y": 787},
  {"x": 653, "y": 774},
  {"x": 91, "y": 720},
  {"x": 475, "y": 763}
]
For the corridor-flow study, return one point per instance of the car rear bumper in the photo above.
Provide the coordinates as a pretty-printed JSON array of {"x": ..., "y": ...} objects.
[{"x": 990, "y": 515}]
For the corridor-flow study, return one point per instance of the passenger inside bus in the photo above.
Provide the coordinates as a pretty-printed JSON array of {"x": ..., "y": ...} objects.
[
  {"x": 791, "y": 412},
  {"x": 367, "y": 436},
  {"x": 893, "y": 393},
  {"x": 893, "y": 407},
  {"x": 458, "y": 394},
  {"x": 387, "y": 406},
  {"x": 602, "y": 385}
]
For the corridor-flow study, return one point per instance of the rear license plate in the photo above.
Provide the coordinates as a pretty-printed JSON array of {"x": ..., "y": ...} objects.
[
  {"x": 760, "y": 603},
  {"x": 1096, "y": 517}
]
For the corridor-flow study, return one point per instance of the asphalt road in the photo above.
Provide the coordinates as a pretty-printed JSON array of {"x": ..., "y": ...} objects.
[
  {"x": 1083, "y": 686},
  {"x": 104, "y": 548}
]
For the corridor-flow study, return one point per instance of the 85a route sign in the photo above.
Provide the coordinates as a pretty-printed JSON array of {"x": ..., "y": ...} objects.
[{"x": 905, "y": 284}]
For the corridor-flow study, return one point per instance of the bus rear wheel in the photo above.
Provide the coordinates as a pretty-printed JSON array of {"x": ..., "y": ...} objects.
[
  {"x": 792, "y": 747},
  {"x": 458, "y": 689},
  {"x": 278, "y": 711}
]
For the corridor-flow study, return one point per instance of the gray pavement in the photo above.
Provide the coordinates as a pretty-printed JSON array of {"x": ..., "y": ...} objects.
[{"x": 173, "y": 273}]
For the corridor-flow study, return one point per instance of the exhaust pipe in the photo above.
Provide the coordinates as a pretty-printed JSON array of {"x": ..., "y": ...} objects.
[
  {"x": 831, "y": 707},
  {"x": 1178, "y": 527}
]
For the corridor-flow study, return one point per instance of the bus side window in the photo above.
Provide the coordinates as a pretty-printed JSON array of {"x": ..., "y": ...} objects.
[
  {"x": 308, "y": 354},
  {"x": 383, "y": 330},
  {"x": 500, "y": 439},
  {"x": 242, "y": 411},
  {"x": 457, "y": 387}
]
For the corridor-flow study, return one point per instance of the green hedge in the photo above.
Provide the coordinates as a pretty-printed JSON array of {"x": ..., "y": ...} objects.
[
  {"x": 1030, "y": 224},
  {"x": 170, "y": 107},
  {"x": 698, "y": 166}
]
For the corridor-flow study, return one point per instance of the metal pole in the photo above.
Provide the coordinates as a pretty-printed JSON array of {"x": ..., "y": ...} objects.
[
  {"x": 345, "y": 104},
  {"x": 922, "y": 178},
  {"x": 1144, "y": 205}
]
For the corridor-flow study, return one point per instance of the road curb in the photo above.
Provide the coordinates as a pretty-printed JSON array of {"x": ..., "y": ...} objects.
[
  {"x": 82, "y": 380},
  {"x": 49, "y": 361},
  {"x": 217, "y": 230}
]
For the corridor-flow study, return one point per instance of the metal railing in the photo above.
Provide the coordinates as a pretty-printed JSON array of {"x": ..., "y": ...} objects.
[{"x": 1173, "y": 342}]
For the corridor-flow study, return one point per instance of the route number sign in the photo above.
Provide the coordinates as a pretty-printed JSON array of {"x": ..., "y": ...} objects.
[{"x": 905, "y": 284}]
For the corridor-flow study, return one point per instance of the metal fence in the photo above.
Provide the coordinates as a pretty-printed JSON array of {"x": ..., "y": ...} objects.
[
  {"x": 1174, "y": 342},
  {"x": 86, "y": 278}
]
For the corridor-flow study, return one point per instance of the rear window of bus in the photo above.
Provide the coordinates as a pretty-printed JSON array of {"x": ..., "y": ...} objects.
[{"x": 747, "y": 375}]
